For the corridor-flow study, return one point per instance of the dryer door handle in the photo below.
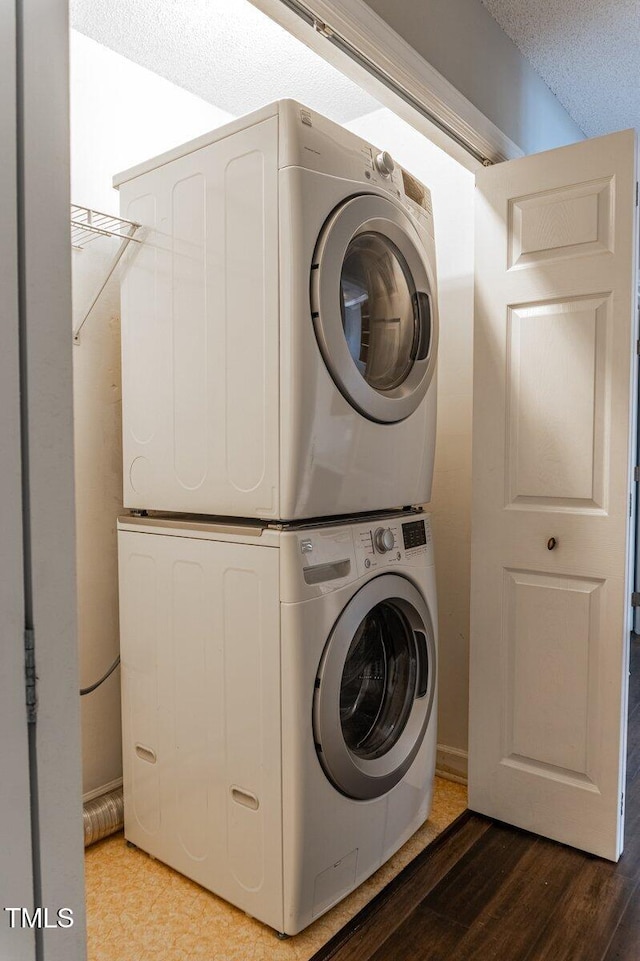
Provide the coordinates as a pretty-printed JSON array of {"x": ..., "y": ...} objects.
[{"x": 422, "y": 314}]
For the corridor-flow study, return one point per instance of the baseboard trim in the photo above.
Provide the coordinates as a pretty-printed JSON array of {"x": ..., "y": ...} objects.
[
  {"x": 99, "y": 791},
  {"x": 452, "y": 763}
]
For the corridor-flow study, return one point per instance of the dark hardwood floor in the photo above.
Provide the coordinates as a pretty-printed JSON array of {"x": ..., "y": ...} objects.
[{"x": 485, "y": 891}]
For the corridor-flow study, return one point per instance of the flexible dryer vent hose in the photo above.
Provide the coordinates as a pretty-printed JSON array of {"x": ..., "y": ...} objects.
[{"x": 103, "y": 816}]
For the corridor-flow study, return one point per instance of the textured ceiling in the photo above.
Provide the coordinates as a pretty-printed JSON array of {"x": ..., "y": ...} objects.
[
  {"x": 587, "y": 52},
  {"x": 225, "y": 51},
  {"x": 230, "y": 54}
]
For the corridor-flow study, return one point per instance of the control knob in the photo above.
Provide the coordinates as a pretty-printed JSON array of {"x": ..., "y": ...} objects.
[
  {"x": 384, "y": 164},
  {"x": 384, "y": 540}
]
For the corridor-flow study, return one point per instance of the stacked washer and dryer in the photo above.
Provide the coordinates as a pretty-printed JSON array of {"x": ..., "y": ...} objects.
[{"x": 277, "y": 587}]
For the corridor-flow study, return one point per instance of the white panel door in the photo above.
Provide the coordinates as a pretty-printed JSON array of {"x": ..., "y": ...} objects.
[{"x": 553, "y": 420}]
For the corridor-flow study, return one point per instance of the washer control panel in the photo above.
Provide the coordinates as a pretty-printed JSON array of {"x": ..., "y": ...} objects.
[
  {"x": 332, "y": 556},
  {"x": 378, "y": 546},
  {"x": 391, "y": 542}
]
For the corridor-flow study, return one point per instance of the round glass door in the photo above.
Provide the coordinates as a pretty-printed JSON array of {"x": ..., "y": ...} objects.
[
  {"x": 375, "y": 688},
  {"x": 378, "y": 682},
  {"x": 378, "y": 310},
  {"x": 373, "y": 307}
]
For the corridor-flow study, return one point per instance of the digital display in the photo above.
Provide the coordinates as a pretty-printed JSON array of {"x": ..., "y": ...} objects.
[
  {"x": 414, "y": 535},
  {"x": 413, "y": 189}
]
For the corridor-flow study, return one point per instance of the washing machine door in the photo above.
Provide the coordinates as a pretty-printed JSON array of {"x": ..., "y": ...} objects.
[
  {"x": 374, "y": 308},
  {"x": 375, "y": 687}
]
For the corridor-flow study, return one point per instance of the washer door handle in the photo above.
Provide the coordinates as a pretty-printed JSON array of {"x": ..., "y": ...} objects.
[{"x": 422, "y": 680}]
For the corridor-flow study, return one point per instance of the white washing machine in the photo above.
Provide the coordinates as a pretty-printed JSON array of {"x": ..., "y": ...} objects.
[
  {"x": 279, "y": 702},
  {"x": 279, "y": 324}
]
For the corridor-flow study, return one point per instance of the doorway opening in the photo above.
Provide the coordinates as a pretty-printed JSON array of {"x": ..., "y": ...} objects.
[
  {"x": 136, "y": 91},
  {"x": 632, "y": 786}
]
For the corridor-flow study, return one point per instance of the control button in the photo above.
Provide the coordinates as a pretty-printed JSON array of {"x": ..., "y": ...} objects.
[
  {"x": 384, "y": 540},
  {"x": 384, "y": 164},
  {"x": 398, "y": 556},
  {"x": 367, "y": 562}
]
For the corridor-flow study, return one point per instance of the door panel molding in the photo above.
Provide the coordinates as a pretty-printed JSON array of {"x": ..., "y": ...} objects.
[
  {"x": 562, "y": 222},
  {"x": 551, "y": 693},
  {"x": 543, "y": 340}
]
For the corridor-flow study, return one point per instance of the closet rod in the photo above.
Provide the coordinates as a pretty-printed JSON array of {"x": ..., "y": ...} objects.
[{"x": 346, "y": 47}]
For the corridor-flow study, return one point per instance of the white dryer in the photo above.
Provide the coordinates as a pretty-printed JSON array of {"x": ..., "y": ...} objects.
[
  {"x": 279, "y": 703},
  {"x": 279, "y": 324}
]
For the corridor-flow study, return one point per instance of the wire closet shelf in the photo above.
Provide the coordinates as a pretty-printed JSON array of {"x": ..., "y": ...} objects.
[{"x": 88, "y": 226}]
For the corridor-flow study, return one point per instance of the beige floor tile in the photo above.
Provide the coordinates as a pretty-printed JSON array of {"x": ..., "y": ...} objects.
[{"x": 140, "y": 910}]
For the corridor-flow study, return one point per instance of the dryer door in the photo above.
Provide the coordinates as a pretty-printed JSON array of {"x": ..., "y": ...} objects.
[
  {"x": 375, "y": 688},
  {"x": 374, "y": 309}
]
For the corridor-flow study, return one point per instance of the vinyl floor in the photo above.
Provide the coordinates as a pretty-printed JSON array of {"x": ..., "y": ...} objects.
[
  {"x": 140, "y": 910},
  {"x": 488, "y": 892}
]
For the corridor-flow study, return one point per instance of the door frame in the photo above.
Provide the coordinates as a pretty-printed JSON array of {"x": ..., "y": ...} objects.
[
  {"x": 41, "y": 35},
  {"x": 42, "y": 254},
  {"x": 46, "y": 316},
  {"x": 16, "y": 883}
]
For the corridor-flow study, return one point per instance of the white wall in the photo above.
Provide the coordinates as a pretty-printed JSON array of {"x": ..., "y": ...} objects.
[
  {"x": 464, "y": 43},
  {"x": 120, "y": 115},
  {"x": 452, "y": 189}
]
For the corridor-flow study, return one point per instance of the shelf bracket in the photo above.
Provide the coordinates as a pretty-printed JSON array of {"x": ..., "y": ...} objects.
[{"x": 126, "y": 240}]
